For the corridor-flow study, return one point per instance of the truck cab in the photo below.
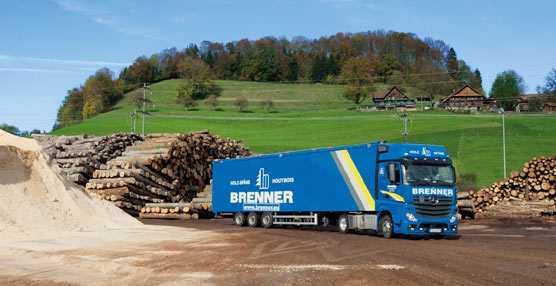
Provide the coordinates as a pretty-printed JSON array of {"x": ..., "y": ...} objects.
[{"x": 415, "y": 189}]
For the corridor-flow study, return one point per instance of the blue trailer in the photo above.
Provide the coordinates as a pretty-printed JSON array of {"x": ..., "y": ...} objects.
[{"x": 389, "y": 188}]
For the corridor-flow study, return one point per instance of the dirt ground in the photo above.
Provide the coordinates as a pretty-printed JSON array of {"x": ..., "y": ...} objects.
[{"x": 216, "y": 252}]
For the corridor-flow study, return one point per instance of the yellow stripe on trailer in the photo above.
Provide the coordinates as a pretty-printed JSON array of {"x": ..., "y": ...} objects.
[
  {"x": 363, "y": 188},
  {"x": 394, "y": 195}
]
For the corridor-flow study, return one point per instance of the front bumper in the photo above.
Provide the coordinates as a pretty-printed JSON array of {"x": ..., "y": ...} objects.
[{"x": 427, "y": 226}]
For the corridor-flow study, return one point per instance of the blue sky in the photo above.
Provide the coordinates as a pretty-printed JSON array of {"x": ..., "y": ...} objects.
[{"x": 49, "y": 47}]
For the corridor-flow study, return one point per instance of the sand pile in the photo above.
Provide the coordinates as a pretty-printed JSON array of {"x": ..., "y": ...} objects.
[{"x": 35, "y": 200}]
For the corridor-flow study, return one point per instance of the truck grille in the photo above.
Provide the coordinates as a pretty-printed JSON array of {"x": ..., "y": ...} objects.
[{"x": 427, "y": 206}]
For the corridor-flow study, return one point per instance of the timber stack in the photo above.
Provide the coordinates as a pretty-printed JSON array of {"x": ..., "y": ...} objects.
[
  {"x": 164, "y": 168},
  {"x": 201, "y": 206},
  {"x": 536, "y": 181},
  {"x": 79, "y": 156}
]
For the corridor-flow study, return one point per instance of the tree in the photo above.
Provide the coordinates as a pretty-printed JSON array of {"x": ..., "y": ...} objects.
[
  {"x": 506, "y": 90},
  {"x": 267, "y": 104},
  {"x": 212, "y": 101},
  {"x": 188, "y": 102},
  {"x": 91, "y": 108},
  {"x": 452, "y": 64},
  {"x": 318, "y": 68},
  {"x": 267, "y": 65},
  {"x": 477, "y": 81},
  {"x": 520, "y": 81},
  {"x": 388, "y": 65},
  {"x": 434, "y": 81},
  {"x": 357, "y": 73},
  {"x": 10, "y": 129},
  {"x": 197, "y": 81},
  {"x": 241, "y": 103},
  {"x": 549, "y": 83}
]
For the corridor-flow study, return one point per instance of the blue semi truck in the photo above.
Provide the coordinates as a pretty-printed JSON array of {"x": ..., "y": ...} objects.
[{"x": 389, "y": 188}]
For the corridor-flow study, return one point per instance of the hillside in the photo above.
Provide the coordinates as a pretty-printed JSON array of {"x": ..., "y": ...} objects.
[
  {"x": 321, "y": 118},
  {"x": 353, "y": 59}
]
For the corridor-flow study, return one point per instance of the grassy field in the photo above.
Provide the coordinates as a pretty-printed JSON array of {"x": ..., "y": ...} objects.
[{"x": 473, "y": 141}]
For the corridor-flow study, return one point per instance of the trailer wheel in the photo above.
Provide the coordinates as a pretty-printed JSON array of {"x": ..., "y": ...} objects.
[
  {"x": 239, "y": 219},
  {"x": 253, "y": 219},
  {"x": 267, "y": 220},
  {"x": 343, "y": 224},
  {"x": 386, "y": 226}
]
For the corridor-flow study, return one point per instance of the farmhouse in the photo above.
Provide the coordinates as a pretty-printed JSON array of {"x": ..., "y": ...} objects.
[
  {"x": 550, "y": 107},
  {"x": 524, "y": 99},
  {"x": 393, "y": 99},
  {"x": 465, "y": 98}
]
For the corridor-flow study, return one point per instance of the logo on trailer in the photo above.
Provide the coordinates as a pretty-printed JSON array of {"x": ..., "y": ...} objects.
[
  {"x": 426, "y": 152},
  {"x": 263, "y": 180}
]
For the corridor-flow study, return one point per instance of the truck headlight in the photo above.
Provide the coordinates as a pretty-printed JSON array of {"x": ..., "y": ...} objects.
[
  {"x": 411, "y": 217},
  {"x": 453, "y": 219}
]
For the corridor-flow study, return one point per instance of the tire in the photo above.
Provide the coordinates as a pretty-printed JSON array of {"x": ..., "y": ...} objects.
[
  {"x": 343, "y": 224},
  {"x": 253, "y": 219},
  {"x": 267, "y": 220},
  {"x": 386, "y": 226},
  {"x": 239, "y": 219}
]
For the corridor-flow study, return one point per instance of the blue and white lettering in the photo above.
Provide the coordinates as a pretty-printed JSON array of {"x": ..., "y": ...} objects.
[{"x": 276, "y": 197}]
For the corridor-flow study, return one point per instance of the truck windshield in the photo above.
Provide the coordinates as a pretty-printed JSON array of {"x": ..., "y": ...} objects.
[{"x": 428, "y": 175}]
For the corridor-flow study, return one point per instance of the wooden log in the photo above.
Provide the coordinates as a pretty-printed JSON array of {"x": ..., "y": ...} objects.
[
  {"x": 77, "y": 178},
  {"x": 460, "y": 195},
  {"x": 166, "y": 216},
  {"x": 168, "y": 205},
  {"x": 465, "y": 203}
]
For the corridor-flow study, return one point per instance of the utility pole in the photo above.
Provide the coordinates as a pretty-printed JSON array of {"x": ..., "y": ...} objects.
[
  {"x": 144, "y": 103},
  {"x": 503, "y": 140},
  {"x": 405, "y": 119},
  {"x": 134, "y": 118}
]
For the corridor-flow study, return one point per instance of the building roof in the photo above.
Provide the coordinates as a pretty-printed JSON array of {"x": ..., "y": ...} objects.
[
  {"x": 393, "y": 93},
  {"x": 551, "y": 104},
  {"x": 379, "y": 95},
  {"x": 525, "y": 97},
  {"x": 465, "y": 91}
]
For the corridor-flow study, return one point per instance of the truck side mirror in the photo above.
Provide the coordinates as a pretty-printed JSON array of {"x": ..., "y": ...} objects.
[{"x": 393, "y": 175}]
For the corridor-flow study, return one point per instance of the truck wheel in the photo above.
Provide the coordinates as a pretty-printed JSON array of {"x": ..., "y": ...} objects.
[
  {"x": 266, "y": 220},
  {"x": 386, "y": 226},
  {"x": 343, "y": 224},
  {"x": 239, "y": 219},
  {"x": 253, "y": 219}
]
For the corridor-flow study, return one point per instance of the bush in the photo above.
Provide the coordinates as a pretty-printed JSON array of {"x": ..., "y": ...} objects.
[
  {"x": 241, "y": 103},
  {"x": 187, "y": 101},
  {"x": 267, "y": 104},
  {"x": 212, "y": 101}
]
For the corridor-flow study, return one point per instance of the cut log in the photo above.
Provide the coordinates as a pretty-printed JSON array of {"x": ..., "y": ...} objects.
[{"x": 166, "y": 216}]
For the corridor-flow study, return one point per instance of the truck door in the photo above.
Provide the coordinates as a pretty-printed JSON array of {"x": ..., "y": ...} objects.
[{"x": 389, "y": 178}]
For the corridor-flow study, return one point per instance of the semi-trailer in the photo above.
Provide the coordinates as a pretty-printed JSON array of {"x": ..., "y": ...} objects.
[{"x": 388, "y": 188}]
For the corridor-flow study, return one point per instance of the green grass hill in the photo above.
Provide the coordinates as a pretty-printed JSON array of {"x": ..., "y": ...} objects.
[{"x": 312, "y": 115}]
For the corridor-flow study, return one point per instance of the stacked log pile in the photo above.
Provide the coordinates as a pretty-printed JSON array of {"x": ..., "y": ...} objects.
[
  {"x": 536, "y": 181},
  {"x": 165, "y": 168},
  {"x": 201, "y": 206},
  {"x": 79, "y": 156}
]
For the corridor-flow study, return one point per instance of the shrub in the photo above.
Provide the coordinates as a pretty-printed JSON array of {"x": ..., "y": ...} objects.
[{"x": 241, "y": 103}]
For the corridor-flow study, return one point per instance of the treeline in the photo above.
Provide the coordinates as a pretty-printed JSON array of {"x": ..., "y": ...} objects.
[
  {"x": 97, "y": 95},
  {"x": 15, "y": 131},
  {"x": 395, "y": 58}
]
